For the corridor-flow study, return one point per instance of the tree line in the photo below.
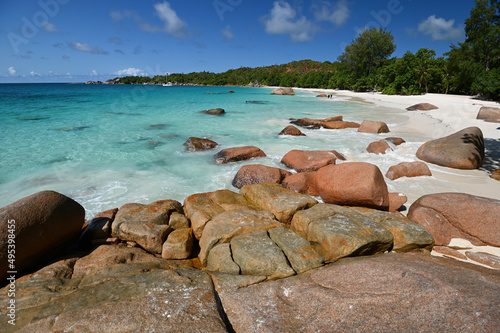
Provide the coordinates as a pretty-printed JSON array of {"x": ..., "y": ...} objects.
[{"x": 470, "y": 68}]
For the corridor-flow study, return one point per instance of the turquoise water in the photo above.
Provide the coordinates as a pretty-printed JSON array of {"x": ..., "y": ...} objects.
[{"x": 107, "y": 145}]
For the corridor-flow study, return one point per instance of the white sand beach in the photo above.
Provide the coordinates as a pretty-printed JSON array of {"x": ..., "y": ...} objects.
[{"x": 454, "y": 113}]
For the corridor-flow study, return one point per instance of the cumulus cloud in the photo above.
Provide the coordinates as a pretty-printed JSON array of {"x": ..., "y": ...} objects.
[
  {"x": 34, "y": 74},
  {"x": 84, "y": 47},
  {"x": 227, "y": 33},
  {"x": 131, "y": 71},
  {"x": 283, "y": 19},
  {"x": 336, "y": 13},
  {"x": 173, "y": 24},
  {"x": 94, "y": 73},
  {"x": 50, "y": 27},
  {"x": 12, "y": 71},
  {"x": 440, "y": 29}
]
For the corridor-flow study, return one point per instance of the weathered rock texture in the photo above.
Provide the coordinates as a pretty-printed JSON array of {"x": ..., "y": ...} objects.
[
  {"x": 309, "y": 160},
  {"x": 237, "y": 154},
  {"x": 147, "y": 225},
  {"x": 130, "y": 292},
  {"x": 458, "y": 215},
  {"x": 378, "y": 147},
  {"x": 353, "y": 184},
  {"x": 40, "y": 225},
  {"x": 408, "y": 169},
  {"x": 302, "y": 182},
  {"x": 390, "y": 292},
  {"x": 369, "y": 126},
  {"x": 328, "y": 123},
  {"x": 461, "y": 150},
  {"x": 489, "y": 114},
  {"x": 215, "y": 112},
  {"x": 256, "y": 173}
]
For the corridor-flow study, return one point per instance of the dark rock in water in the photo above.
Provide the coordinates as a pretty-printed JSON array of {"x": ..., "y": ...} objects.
[
  {"x": 153, "y": 144},
  {"x": 124, "y": 113},
  {"x": 42, "y": 223},
  {"x": 395, "y": 141},
  {"x": 398, "y": 292},
  {"x": 197, "y": 144},
  {"x": 71, "y": 129},
  {"x": 256, "y": 102},
  {"x": 378, "y": 147},
  {"x": 291, "y": 130},
  {"x": 458, "y": 215},
  {"x": 157, "y": 126},
  {"x": 461, "y": 150},
  {"x": 236, "y": 154},
  {"x": 215, "y": 112},
  {"x": 58, "y": 160},
  {"x": 231, "y": 91},
  {"x": 33, "y": 118},
  {"x": 168, "y": 135},
  {"x": 422, "y": 107}
]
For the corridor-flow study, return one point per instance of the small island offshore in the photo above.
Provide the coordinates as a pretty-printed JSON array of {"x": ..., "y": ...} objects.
[{"x": 293, "y": 239}]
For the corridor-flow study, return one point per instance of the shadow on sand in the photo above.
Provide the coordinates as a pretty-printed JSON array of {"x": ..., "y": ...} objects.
[{"x": 491, "y": 160}]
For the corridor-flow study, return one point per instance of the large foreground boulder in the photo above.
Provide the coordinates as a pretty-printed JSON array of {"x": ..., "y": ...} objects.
[
  {"x": 256, "y": 173},
  {"x": 302, "y": 182},
  {"x": 236, "y": 154},
  {"x": 489, "y": 114},
  {"x": 37, "y": 226},
  {"x": 461, "y": 150},
  {"x": 386, "y": 293},
  {"x": 458, "y": 215},
  {"x": 353, "y": 184},
  {"x": 119, "y": 289}
]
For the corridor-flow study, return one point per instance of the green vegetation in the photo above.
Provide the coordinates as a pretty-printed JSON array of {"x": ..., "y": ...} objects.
[{"x": 471, "y": 67}]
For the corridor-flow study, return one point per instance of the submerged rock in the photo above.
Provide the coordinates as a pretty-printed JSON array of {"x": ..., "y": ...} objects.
[
  {"x": 215, "y": 112},
  {"x": 199, "y": 144}
]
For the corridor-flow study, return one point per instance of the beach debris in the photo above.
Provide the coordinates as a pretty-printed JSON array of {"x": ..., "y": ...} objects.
[
  {"x": 353, "y": 184},
  {"x": 256, "y": 173},
  {"x": 379, "y": 147},
  {"x": 422, "y": 107},
  {"x": 458, "y": 215},
  {"x": 215, "y": 112},
  {"x": 309, "y": 160},
  {"x": 283, "y": 91},
  {"x": 408, "y": 169},
  {"x": 368, "y": 126},
  {"x": 236, "y": 154},
  {"x": 489, "y": 114},
  {"x": 40, "y": 224},
  {"x": 199, "y": 144},
  {"x": 461, "y": 150},
  {"x": 291, "y": 130}
]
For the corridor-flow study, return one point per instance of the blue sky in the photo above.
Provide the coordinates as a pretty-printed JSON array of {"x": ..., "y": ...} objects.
[{"x": 76, "y": 40}]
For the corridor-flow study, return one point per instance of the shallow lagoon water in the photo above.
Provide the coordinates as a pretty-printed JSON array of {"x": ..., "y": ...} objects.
[{"x": 107, "y": 145}]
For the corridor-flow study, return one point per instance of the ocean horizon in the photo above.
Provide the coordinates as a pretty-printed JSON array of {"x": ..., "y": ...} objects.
[{"x": 107, "y": 145}]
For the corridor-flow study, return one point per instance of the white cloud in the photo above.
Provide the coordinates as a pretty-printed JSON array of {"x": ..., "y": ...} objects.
[
  {"x": 34, "y": 74},
  {"x": 174, "y": 25},
  {"x": 50, "y": 27},
  {"x": 336, "y": 13},
  {"x": 131, "y": 71},
  {"x": 227, "y": 33},
  {"x": 283, "y": 20},
  {"x": 84, "y": 47},
  {"x": 12, "y": 71},
  {"x": 440, "y": 29},
  {"x": 94, "y": 73}
]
